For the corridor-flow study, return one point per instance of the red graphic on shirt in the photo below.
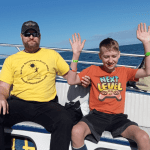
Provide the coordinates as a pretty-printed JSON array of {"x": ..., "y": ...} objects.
[
  {"x": 109, "y": 88},
  {"x": 110, "y": 94}
]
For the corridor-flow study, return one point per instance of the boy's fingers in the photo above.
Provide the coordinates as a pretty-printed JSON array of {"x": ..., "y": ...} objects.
[
  {"x": 145, "y": 27},
  {"x": 70, "y": 41},
  {"x": 141, "y": 27},
  {"x": 138, "y": 27},
  {"x": 83, "y": 43},
  {"x": 79, "y": 37},
  {"x": 148, "y": 28},
  {"x": 76, "y": 37},
  {"x": 73, "y": 38}
]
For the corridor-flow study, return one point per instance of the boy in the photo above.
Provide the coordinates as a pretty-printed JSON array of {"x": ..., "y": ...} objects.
[{"x": 107, "y": 94}]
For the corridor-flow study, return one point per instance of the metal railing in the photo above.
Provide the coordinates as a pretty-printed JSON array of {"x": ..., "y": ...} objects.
[{"x": 17, "y": 46}]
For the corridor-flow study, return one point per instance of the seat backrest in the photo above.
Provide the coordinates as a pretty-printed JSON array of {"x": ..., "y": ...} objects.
[
  {"x": 68, "y": 93},
  {"x": 137, "y": 105}
]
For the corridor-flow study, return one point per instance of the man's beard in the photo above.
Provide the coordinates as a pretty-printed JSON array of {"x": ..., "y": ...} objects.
[{"x": 31, "y": 47}]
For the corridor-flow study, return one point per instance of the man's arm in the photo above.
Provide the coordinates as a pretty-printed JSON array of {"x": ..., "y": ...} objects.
[
  {"x": 4, "y": 94},
  {"x": 144, "y": 36},
  {"x": 77, "y": 46},
  {"x": 85, "y": 82}
]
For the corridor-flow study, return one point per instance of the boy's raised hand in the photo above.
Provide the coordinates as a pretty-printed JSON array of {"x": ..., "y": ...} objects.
[
  {"x": 76, "y": 43},
  {"x": 142, "y": 34}
]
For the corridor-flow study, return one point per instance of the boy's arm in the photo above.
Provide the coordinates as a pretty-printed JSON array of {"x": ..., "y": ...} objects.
[
  {"x": 77, "y": 46},
  {"x": 144, "y": 36}
]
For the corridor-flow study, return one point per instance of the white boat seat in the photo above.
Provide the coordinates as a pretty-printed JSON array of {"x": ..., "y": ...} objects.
[{"x": 137, "y": 107}]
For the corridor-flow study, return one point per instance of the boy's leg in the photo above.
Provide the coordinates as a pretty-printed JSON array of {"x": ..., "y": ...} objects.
[
  {"x": 90, "y": 127},
  {"x": 79, "y": 132},
  {"x": 121, "y": 125},
  {"x": 81, "y": 148},
  {"x": 133, "y": 132}
]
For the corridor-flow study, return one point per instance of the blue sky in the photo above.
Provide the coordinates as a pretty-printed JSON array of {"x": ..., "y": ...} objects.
[{"x": 59, "y": 19}]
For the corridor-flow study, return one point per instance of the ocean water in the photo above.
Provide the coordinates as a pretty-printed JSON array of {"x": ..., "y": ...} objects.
[
  {"x": 129, "y": 49},
  {"x": 124, "y": 60}
]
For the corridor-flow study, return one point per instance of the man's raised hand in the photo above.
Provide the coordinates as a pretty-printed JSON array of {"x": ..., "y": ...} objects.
[{"x": 76, "y": 43}]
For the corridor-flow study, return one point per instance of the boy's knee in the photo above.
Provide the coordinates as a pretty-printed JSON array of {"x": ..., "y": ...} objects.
[
  {"x": 142, "y": 136},
  {"x": 145, "y": 137},
  {"x": 77, "y": 132}
]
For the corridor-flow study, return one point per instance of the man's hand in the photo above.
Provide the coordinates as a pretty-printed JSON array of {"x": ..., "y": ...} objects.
[
  {"x": 4, "y": 94},
  {"x": 76, "y": 44},
  {"x": 85, "y": 82},
  {"x": 142, "y": 34},
  {"x": 4, "y": 107}
]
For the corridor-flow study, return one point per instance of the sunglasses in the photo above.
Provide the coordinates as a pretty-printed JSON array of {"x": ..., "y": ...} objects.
[{"x": 28, "y": 34}]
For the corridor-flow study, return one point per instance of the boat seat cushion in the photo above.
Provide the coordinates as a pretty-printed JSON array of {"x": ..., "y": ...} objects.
[{"x": 106, "y": 136}]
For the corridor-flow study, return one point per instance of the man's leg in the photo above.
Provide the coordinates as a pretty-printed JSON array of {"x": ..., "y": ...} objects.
[
  {"x": 57, "y": 121},
  {"x": 2, "y": 145},
  {"x": 79, "y": 132},
  {"x": 15, "y": 115},
  {"x": 134, "y": 133}
]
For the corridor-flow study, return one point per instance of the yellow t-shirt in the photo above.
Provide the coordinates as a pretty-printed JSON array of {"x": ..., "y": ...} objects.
[{"x": 33, "y": 74}]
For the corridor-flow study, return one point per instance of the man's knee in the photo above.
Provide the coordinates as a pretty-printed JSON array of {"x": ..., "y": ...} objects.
[{"x": 65, "y": 119}]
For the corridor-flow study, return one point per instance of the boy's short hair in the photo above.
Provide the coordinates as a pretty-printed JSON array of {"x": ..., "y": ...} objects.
[{"x": 110, "y": 44}]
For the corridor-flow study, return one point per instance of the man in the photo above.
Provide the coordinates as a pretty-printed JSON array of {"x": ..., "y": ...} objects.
[
  {"x": 32, "y": 73},
  {"x": 107, "y": 93}
]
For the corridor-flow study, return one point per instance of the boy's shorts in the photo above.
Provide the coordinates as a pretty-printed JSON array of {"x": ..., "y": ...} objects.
[{"x": 99, "y": 122}]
